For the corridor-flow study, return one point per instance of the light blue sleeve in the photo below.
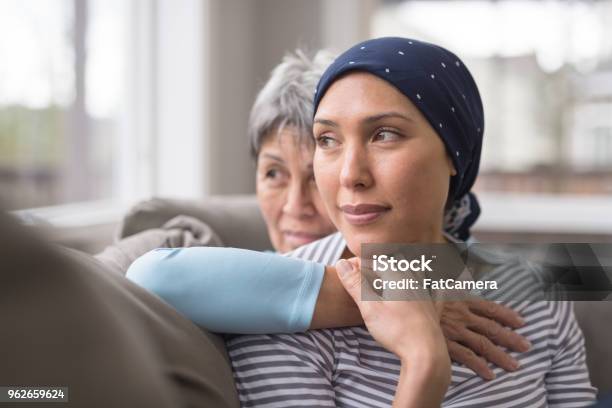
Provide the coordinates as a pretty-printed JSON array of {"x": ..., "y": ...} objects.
[{"x": 230, "y": 290}]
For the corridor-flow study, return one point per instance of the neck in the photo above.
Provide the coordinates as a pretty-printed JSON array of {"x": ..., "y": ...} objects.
[
  {"x": 434, "y": 236},
  {"x": 431, "y": 237}
]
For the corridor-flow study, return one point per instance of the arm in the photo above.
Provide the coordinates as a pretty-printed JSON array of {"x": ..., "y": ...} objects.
[
  {"x": 232, "y": 290},
  {"x": 334, "y": 307},
  {"x": 473, "y": 328},
  {"x": 180, "y": 231},
  {"x": 207, "y": 285},
  {"x": 119, "y": 255}
]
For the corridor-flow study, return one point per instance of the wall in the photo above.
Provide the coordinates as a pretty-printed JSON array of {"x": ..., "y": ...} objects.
[{"x": 247, "y": 39}]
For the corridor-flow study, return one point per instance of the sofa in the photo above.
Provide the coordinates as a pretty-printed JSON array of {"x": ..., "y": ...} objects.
[
  {"x": 70, "y": 321},
  {"x": 238, "y": 223}
]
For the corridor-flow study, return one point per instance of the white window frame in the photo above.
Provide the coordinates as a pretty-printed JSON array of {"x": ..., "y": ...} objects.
[
  {"x": 545, "y": 213},
  {"x": 163, "y": 122}
]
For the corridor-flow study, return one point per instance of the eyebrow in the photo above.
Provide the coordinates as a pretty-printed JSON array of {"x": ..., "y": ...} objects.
[
  {"x": 273, "y": 157},
  {"x": 326, "y": 122},
  {"x": 386, "y": 115},
  {"x": 280, "y": 160},
  {"x": 370, "y": 119}
]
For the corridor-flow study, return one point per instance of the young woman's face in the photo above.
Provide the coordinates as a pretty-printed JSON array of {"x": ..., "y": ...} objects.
[
  {"x": 287, "y": 194},
  {"x": 381, "y": 169}
]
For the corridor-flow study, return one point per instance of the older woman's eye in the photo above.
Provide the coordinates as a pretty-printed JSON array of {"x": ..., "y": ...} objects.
[
  {"x": 386, "y": 136},
  {"x": 325, "y": 142},
  {"x": 274, "y": 177}
]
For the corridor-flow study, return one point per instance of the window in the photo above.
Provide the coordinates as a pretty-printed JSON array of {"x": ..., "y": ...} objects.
[
  {"x": 544, "y": 70},
  {"x": 62, "y": 95},
  {"x": 102, "y": 102}
]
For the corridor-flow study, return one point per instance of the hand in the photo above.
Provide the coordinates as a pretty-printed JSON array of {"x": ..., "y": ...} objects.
[
  {"x": 392, "y": 323},
  {"x": 474, "y": 329},
  {"x": 411, "y": 330}
]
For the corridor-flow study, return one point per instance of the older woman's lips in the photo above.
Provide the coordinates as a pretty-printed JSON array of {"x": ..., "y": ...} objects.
[{"x": 362, "y": 214}]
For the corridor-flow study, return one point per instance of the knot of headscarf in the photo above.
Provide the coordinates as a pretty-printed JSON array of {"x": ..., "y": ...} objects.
[{"x": 438, "y": 83}]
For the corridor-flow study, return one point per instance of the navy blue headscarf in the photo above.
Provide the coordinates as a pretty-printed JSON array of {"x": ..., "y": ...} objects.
[{"x": 441, "y": 87}]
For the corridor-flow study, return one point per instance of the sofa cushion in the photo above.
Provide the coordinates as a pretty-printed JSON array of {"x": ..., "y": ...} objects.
[
  {"x": 73, "y": 323},
  {"x": 236, "y": 219},
  {"x": 595, "y": 320}
]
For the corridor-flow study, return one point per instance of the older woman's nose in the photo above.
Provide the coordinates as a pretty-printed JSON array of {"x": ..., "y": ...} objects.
[
  {"x": 355, "y": 172},
  {"x": 298, "y": 201}
]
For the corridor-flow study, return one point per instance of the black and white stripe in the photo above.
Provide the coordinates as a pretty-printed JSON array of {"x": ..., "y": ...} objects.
[{"x": 347, "y": 368}]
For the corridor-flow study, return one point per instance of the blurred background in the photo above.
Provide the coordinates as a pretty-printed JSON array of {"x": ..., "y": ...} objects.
[{"x": 107, "y": 102}]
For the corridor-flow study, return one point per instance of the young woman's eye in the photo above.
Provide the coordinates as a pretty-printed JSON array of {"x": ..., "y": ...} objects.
[
  {"x": 325, "y": 142},
  {"x": 385, "y": 136}
]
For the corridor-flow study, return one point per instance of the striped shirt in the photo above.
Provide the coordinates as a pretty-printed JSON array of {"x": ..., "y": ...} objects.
[{"x": 347, "y": 368}]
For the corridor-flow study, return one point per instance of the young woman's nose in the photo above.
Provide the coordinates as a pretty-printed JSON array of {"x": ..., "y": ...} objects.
[
  {"x": 298, "y": 201},
  {"x": 355, "y": 172}
]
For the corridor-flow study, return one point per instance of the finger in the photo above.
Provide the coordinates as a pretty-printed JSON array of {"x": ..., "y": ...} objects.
[
  {"x": 482, "y": 346},
  {"x": 467, "y": 357},
  {"x": 412, "y": 291},
  {"x": 495, "y": 311},
  {"x": 356, "y": 261},
  {"x": 498, "y": 334},
  {"x": 350, "y": 279}
]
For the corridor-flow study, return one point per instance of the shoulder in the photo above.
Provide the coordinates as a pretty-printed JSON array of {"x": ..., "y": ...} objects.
[{"x": 326, "y": 250}]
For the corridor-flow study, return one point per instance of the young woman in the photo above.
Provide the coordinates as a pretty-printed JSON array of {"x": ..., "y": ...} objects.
[{"x": 398, "y": 127}]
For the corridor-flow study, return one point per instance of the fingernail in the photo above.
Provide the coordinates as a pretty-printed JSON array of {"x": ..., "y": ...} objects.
[
  {"x": 344, "y": 267},
  {"x": 515, "y": 365},
  {"x": 525, "y": 345},
  {"x": 490, "y": 375}
]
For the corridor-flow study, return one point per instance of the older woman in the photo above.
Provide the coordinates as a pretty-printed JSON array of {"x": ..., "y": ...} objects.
[
  {"x": 398, "y": 130},
  {"x": 280, "y": 128},
  {"x": 228, "y": 290}
]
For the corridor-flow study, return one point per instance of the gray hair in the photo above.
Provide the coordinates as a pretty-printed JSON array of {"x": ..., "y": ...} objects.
[{"x": 287, "y": 98}]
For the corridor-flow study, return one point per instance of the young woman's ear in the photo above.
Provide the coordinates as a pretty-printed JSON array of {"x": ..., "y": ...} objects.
[{"x": 451, "y": 166}]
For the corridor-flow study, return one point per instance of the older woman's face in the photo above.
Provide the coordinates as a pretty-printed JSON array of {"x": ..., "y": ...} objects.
[
  {"x": 287, "y": 194},
  {"x": 381, "y": 169}
]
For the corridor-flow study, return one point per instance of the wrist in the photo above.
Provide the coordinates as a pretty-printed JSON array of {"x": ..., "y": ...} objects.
[
  {"x": 430, "y": 344},
  {"x": 424, "y": 380},
  {"x": 334, "y": 307},
  {"x": 430, "y": 362},
  {"x": 426, "y": 361}
]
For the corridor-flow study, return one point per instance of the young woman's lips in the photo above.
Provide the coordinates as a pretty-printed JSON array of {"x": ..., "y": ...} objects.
[
  {"x": 362, "y": 214},
  {"x": 301, "y": 238}
]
